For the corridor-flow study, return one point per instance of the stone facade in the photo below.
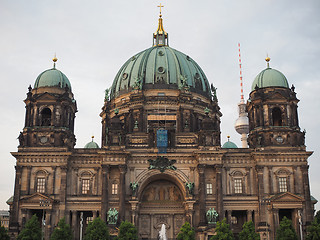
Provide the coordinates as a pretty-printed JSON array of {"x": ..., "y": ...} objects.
[{"x": 151, "y": 184}]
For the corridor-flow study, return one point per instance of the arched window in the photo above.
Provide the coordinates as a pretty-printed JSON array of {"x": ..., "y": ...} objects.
[
  {"x": 41, "y": 181},
  {"x": 46, "y": 117},
  {"x": 283, "y": 180},
  {"x": 276, "y": 117},
  {"x": 238, "y": 182},
  {"x": 86, "y": 178}
]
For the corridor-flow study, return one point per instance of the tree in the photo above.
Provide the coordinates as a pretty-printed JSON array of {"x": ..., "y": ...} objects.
[
  {"x": 62, "y": 231},
  {"x": 3, "y": 233},
  {"x": 223, "y": 231},
  {"x": 248, "y": 232},
  {"x": 286, "y": 230},
  {"x": 32, "y": 230},
  {"x": 317, "y": 217},
  {"x": 127, "y": 231},
  {"x": 97, "y": 230},
  {"x": 186, "y": 232},
  {"x": 313, "y": 231}
]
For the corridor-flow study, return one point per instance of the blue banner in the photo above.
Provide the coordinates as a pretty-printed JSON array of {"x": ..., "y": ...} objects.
[{"x": 162, "y": 140}]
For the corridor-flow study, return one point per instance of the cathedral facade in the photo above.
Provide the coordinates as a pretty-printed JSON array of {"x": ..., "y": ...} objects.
[{"x": 161, "y": 160}]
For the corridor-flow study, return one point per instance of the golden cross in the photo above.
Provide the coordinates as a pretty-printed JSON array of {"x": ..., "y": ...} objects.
[{"x": 160, "y": 6}]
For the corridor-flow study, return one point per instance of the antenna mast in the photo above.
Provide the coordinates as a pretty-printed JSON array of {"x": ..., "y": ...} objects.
[
  {"x": 241, "y": 82},
  {"x": 242, "y": 123}
]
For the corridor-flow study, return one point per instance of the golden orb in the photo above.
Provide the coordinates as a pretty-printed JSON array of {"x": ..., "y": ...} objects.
[
  {"x": 267, "y": 59},
  {"x": 55, "y": 59}
]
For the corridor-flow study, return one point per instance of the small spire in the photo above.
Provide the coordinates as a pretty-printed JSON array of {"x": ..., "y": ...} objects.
[
  {"x": 92, "y": 137},
  {"x": 267, "y": 60},
  {"x": 160, "y": 37},
  {"x": 228, "y": 138},
  {"x": 54, "y": 59}
]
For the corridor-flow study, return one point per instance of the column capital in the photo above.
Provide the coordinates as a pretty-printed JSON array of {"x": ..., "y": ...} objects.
[
  {"x": 123, "y": 168},
  {"x": 305, "y": 168},
  {"x": 18, "y": 168},
  {"x": 201, "y": 167},
  {"x": 218, "y": 167},
  {"x": 259, "y": 169}
]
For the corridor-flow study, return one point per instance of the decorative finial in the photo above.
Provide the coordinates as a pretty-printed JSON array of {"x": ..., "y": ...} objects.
[
  {"x": 267, "y": 60},
  {"x": 228, "y": 138},
  {"x": 54, "y": 59},
  {"x": 92, "y": 137},
  {"x": 160, "y": 6}
]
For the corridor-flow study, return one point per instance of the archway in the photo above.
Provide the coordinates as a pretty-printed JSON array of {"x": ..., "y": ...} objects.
[{"x": 162, "y": 201}]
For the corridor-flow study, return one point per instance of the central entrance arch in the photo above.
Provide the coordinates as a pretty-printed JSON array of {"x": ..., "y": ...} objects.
[{"x": 162, "y": 201}]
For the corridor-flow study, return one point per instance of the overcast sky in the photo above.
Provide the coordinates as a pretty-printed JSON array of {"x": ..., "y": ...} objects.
[{"x": 94, "y": 38}]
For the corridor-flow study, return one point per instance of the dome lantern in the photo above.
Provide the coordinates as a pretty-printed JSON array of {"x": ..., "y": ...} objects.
[{"x": 160, "y": 37}]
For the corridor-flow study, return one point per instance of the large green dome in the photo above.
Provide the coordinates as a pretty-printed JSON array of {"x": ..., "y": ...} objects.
[
  {"x": 160, "y": 67},
  {"x": 52, "y": 78},
  {"x": 269, "y": 78}
]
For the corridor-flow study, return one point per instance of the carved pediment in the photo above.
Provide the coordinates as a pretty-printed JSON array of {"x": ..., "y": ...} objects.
[
  {"x": 36, "y": 198},
  {"x": 46, "y": 97},
  {"x": 276, "y": 95},
  {"x": 286, "y": 197}
]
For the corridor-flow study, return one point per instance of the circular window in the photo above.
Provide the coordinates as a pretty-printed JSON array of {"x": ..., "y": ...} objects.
[
  {"x": 161, "y": 53},
  {"x": 124, "y": 76},
  {"x": 197, "y": 76},
  {"x": 279, "y": 139},
  {"x": 161, "y": 69},
  {"x": 188, "y": 58},
  {"x": 133, "y": 58}
]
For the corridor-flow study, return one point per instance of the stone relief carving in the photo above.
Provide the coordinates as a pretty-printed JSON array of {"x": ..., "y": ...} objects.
[{"x": 162, "y": 191}]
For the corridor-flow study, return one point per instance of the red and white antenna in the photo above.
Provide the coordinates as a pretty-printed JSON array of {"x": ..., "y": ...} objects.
[{"x": 241, "y": 82}]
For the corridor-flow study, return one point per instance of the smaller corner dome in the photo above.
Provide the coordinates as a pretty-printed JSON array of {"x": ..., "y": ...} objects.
[
  {"x": 270, "y": 78},
  {"x": 52, "y": 78},
  {"x": 229, "y": 144},
  {"x": 92, "y": 144}
]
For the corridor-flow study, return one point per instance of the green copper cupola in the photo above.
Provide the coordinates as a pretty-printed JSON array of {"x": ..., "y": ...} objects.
[{"x": 160, "y": 37}]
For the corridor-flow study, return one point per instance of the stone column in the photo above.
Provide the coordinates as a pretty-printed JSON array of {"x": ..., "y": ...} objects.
[
  {"x": 219, "y": 195},
  {"x": 270, "y": 180},
  {"x": 249, "y": 215},
  {"x": 67, "y": 218},
  {"x": 122, "y": 192},
  {"x": 190, "y": 211},
  {"x": 105, "y": 191},
  {"x": 262, "y": 206},
  {"x": 306, "y": 192},
  {"x": 275, "y": 213},
  {"x": 134, "y": 207},
  {"x": 28, "y": 179},
  {"x": 47, "y": 230},
  {"x": 229, "y": 213},
  {"x": 295, "y": 181},
  {"x": 14, "y": 210},
  {"x": 54, "y": 180},
  {"x": 202, "y": 195},
  {"x": 74, "y": 224},
  {"x": 248, "y": 176},
  {"x": 94, "y": 214},
  {"x": 63, "y": 190}
]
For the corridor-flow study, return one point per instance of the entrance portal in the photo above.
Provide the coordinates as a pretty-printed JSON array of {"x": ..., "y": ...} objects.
[{"x": 161, "y": 203}]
